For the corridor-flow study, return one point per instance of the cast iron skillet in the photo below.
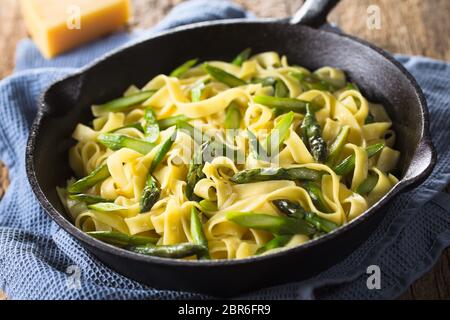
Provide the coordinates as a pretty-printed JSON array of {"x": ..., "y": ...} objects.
[{"x": 382, "y": 79}]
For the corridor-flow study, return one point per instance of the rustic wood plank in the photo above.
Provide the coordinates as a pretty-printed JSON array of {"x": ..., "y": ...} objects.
[{"x": 407, "y": 26}]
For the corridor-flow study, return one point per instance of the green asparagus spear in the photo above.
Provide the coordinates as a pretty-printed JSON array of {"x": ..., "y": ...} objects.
[
  {"x": 87, "y": 198},
  {"x": 312, "y": 133},
  {"x": 181, "y": 70},
  {"x": 367, "y": 185},
  {"x": 175, "y": 251},
  {"x": 266, "y": 82},
  {"x": 279, "y": 133},
  {"x": 96, "y": 176},
  {"x": 172, "y": 121},
  {"x": 313, "y": 82},
  {"x": 135, "y": 125},
  {"x": 195, "y": 133},
  {"x": 273, "y": 224},
  {"x": 151, "y": 127},
  {"x": 115, "y": 141},
  {"x": 208, "y": 206},
  {"x": 163, "y": 149},
  {"x": 267, "y": 174},
  {"x": 351, "y": 86},
  {"x": 123, "y": 103},
  {"x": 197, "y": 234},
  {"x": 320, "y": 223},
  {"x": 233, "y": 116},
  {"x": 369, "y": 119},
  {"x": 195, "y": 172},
  {"x": 294, "y": 210},
  {"x": 317, "y": 197},
  {"x": 290, "y": 208},
  {"x": 223, "y": 76},
  {"x": 276, "y": 242},
  {"x": 196, "y": 92},
  {"x": 121, "y": 239},
  {"x": 348, "y": 164},
  {"x": 241, "y": 57},
  {"x": 281, "y": 91},
  {"x": 337, "y": 146},
  {"x": 256, "y": 148},
  {"x": 106, "y": 207},
  {"x": 150, "y": 194},
  {"x": 286, "y": 104}
]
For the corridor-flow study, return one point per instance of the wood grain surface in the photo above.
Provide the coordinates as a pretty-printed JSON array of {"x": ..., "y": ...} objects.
[{"x": 406, "y": 26}]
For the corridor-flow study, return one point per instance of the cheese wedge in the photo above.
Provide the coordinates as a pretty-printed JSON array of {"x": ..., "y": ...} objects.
[{"x": 60, "y": 25}]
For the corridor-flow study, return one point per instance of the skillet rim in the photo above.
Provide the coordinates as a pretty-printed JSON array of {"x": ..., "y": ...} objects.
[{"x": 63, "y": 222}]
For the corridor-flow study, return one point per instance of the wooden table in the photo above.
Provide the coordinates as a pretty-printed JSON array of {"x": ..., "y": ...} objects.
[{"x": 407, "y": 26}]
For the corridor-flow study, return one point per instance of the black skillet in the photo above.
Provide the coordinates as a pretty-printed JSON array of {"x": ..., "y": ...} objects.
[{"x": 381, "y": 78}]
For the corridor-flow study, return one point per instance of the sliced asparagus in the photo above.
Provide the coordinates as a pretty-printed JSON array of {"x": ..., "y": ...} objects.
[
  {"x": 207, "y": 205},
  {"x": 279, "y": 133},
  {"x": 267, "y": 174},
  {"x": 115, "y": 141},
  {"x": 277, "y": 242},
  {"x": 87, "y": 198},
  {"x": 121, "y": 239},
  {"x": 317, "y": 196},
  {"x": 313, "y": 82},
  {"x": 175, "y": 251},
  {"x": 294, "y": 210},
  {"x": 369, "y": 119},
  {"x": 311, "y": 133},
  {"x": 266, "y": 82},
  {"x": 281, "y": 90},
  {"x": 286, "y": 104},
  {"x": 172, "y": 121},
  {"x": 124, "y": 103},
  {"x": 273, "y": 224},
  {"x": 223, "y": 76},
  {"x": 195, "y": 172},
  {"x": 150, "y": 194},
  {"x": 348, "y": 164},
  {"x": 163, "y": 149},
  {"x": 197, "y": 234},
  {"x": 337, "y": 145},
  {"x": 232, "y": 116},
  {"x": 241, "y": 57},
  {"x": 351, "y": 86},
  {"x": 106, "y": 207},
  {"x": 181, "y": 70},
  {"x": 96, "y": 176},
  {"x": 367, "y": 185},
  {"x": 196, "y": 92},
  {"x": 151, "y": 126},
  {"x": 135, "y": 125}
]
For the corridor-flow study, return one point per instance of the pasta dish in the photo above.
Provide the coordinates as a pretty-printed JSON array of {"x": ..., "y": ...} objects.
[{"x": 228, "y": 160}]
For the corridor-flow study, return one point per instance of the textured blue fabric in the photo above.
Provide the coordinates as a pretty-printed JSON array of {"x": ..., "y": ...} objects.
[{"x": 35, "y": 253}]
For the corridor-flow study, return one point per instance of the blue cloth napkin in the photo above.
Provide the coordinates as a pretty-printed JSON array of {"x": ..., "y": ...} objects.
[{"x": 39, "y": 260}]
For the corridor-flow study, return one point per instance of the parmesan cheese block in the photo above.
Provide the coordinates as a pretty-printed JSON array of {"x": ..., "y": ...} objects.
[{"x": 60, "y": 25}]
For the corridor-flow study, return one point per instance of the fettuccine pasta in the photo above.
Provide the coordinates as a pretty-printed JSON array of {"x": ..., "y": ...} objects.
[{"x": 227, "y": 160}]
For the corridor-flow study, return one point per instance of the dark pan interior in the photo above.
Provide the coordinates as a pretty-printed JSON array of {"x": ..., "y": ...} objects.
[{"x": 68, "y": 102}]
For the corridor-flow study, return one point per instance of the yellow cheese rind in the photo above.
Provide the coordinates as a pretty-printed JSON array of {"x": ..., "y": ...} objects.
[{"x": 47, "y": 22}]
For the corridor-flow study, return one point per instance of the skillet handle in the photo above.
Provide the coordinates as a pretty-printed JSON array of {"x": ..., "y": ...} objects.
[
  {"x": 422, "y": 164},
  {"x": 314, "y": 13}
]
